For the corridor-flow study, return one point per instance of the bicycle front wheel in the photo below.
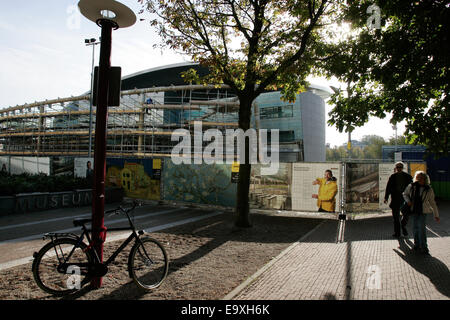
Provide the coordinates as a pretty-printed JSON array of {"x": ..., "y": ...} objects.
[
  {"x": 62, "y": 266},
  {"x": 148, "y": 264}
]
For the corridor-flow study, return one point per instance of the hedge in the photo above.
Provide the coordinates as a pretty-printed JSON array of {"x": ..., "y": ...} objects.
[{"x": 26, "y": 183}]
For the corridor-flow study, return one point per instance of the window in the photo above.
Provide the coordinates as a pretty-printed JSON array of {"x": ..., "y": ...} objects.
[
  {"x": 287, "y": 136},
  {"x": 283, "y": 136},
  {"x": 277, "y": 112}
]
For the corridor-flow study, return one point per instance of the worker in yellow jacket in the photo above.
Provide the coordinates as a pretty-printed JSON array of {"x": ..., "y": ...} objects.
[{"x": 326, "y": 198}]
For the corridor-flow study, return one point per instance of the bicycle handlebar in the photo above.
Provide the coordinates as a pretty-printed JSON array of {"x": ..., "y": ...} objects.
[{"x": 120, "y": 209}]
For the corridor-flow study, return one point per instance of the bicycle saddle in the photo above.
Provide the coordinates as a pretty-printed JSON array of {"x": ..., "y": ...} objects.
[{"x": 81, "y": 221}]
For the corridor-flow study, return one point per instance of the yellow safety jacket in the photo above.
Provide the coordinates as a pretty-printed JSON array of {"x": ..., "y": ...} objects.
[{"x": 327, "y": 193}]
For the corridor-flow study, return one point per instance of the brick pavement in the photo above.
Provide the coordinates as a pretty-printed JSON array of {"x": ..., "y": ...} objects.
[{"x": 368, "y": 265}]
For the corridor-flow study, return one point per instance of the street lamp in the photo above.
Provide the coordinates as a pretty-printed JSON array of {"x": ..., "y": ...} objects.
[
  {"x": 107, "y": 14},
  {"x": 91, "y": 42},
  {"x": 395, "y": 137}
]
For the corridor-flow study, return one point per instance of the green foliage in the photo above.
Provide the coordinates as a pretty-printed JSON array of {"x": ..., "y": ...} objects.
[
  {"x": 252, "y": 46},
  {"x": 401, "y": 69},
  {"x": 27, "y": 183},
  {"x": 371, "y": 150}
]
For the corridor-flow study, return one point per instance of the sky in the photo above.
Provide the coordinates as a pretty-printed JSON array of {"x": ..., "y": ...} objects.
[{"x": 43, "y": 56}]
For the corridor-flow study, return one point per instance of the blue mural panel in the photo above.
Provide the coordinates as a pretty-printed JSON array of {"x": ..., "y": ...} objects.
[{"x": 199, "y": 183}]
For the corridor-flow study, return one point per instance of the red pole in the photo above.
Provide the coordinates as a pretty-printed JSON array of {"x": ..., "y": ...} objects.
[{"x": 98, "y": 202}]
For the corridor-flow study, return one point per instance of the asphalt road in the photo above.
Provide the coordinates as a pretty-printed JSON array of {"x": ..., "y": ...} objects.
[{"x": 21, "y": 234}]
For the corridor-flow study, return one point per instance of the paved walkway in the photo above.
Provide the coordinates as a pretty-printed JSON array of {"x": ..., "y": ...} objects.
[{"x": 368, "y": 265}]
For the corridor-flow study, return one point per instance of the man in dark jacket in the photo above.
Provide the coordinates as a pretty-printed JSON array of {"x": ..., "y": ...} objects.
[{"x": 396, "y": 185}]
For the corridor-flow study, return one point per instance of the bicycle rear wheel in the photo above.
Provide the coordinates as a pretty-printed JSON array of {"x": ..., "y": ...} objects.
[
  {"x": 148, "y": 264},
  {"x": 62, "y": 267}
]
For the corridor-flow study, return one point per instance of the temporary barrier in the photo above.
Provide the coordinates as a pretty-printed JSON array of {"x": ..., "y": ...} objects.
[
  {"x": 354, "y": 187},
  {"x": 439, "y": 172},
  {"x": 311, "y": 191},
  {"x": 139, "y": 178},
  {"x": 199, "y": 183},
  {"x": 271, "y": 191},
  {"x": 19, "y": 165}
]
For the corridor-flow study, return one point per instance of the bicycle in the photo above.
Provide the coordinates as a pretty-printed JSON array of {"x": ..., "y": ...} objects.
[{"x": 67, "y": 263}]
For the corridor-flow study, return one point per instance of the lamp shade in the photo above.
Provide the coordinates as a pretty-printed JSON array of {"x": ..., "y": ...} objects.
[{"x": 117, "y": 12}]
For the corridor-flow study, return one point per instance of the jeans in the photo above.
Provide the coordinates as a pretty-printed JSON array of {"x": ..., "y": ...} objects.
[
  {"x": 420, "y": 231},
  {"x": 399, "y": 221}
]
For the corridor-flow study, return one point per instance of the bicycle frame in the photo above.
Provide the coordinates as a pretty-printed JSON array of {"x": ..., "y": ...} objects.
[
  {"x": 78, "y": 257},
  {"x": 85, "y": 232},
  {"x": 133, "y": 235}
]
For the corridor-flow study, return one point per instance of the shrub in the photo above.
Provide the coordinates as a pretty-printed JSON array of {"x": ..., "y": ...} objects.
[{"x": 25, "y": 183}]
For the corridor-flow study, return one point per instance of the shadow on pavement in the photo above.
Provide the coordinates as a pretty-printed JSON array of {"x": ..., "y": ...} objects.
[
  {"x": 266, "y": 229},
  {"x": 434, "y": 269}
]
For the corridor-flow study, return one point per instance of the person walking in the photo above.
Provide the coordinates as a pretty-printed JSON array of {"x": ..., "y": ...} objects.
[
  {"x": 397, "y": 183},
  {"x": 420, "y": 198},
  {"x": 326, "y": 197}
]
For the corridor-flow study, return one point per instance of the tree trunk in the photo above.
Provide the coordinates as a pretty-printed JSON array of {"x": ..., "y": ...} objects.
[
  {"x": 242, "y": 205},
  {"x": 243, "y": 187}
]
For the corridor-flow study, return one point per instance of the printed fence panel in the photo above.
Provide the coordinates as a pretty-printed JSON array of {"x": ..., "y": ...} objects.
[
  {"x": 199, "y": 183},
  {"x": 311, "y": 191},
  {"x": 61, "y": 166},
  {"x": 83, "y": 167},
  {"x": 362, "y": 187},
  {"x": 31, "y": 165},
  {"x": 414, "y": 167},
  {"x": 384, "y": 172},
  {"x": 271, "y": 191},
  {"x": 138, "y": 177}
]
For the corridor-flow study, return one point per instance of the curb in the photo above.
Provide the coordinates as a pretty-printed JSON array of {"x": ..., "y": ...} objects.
[{"x": 253, "y": 277}]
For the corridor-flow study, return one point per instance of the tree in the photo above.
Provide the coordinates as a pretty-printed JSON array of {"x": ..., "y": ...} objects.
[
  {"x": 250, "y": 45},
  {"x": 401, "y": 68},
  {"x": 372, "y": 148}
]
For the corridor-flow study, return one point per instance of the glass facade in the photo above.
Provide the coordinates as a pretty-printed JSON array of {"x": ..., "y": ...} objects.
[
  {"x": 157, "y": 103},
  {"x": 276, "y": 112},
  {"x": 301, "y": 124}
]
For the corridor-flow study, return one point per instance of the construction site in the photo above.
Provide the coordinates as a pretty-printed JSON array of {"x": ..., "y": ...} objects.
[
  {"x": 142, "y": 126},
  {"x": 154, "y": 103}
]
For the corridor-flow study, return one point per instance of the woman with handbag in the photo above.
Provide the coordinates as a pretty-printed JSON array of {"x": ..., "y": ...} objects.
[{"x": 420, "y": 198}]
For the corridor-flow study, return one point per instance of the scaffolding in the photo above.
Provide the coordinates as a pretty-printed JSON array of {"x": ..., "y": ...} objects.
[{"x": 142, "y": 126}]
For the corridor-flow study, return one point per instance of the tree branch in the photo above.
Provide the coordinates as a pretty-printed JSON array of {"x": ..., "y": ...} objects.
[{"x": 288, "y": 62}]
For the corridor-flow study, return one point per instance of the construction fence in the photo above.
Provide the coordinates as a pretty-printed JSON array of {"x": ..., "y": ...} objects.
[{"x": 359, "y": 186}]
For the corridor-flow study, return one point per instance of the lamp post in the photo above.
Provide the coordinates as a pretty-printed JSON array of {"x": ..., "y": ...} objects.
[
  {"x": 91, "y": 42},
  {"x": 109, "y": 15},
  {"x": 395, "y": 137}
]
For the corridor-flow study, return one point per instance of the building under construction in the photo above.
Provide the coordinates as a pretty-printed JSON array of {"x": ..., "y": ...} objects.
[{"x": 153, "y": 104}]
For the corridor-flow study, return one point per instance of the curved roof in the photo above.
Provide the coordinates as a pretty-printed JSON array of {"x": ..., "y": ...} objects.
[
  {"x": 170, "y": 75},
  {"x": 162, "y": 76},
  {"x": 168, "y": 66},
  {"x": 322, "y": 91}
]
